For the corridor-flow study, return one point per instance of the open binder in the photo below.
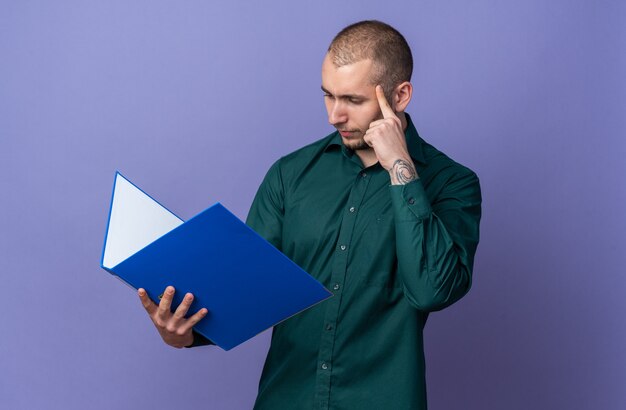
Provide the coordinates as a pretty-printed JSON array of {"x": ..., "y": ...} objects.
[{"x": 246, "y": 284}]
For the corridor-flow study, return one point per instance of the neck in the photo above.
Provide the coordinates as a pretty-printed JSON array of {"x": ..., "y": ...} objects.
[
  {"x": 402, "y": 120},
  {"x": 367, "y": 156}
]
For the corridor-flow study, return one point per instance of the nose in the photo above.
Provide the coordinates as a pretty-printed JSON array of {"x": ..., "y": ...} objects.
[{"x": 336, "y": 113}]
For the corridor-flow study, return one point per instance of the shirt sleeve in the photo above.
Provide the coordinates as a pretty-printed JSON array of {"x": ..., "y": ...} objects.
[
  {"x": 267, "y": 210},
  {"x": 436, "y": 242},
  {"x": 199, "y": 340}
]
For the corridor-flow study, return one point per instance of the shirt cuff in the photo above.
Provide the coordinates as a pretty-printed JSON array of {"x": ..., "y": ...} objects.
[
  {"x": 199, "y": 340},
  {"x": 409, "y": 201}
]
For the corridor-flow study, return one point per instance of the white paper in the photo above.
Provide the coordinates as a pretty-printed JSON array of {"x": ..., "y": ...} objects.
[{"x": 136, "y": 221}]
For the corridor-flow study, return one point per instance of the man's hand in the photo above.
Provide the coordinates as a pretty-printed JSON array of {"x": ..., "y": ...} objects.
[
  {"x": 173, "y": 327},
  {"x": 386, "y": 136}
]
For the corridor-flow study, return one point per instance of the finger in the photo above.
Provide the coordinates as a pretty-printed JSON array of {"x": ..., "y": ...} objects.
[
  {"x": 384, "y": 105},
  {"x": 368, "y": 140},
  {"x": 369, "y": 137},
  {"x": 376, "y": 123},
  {"x": 166, "y": 301},
  {"x": 149, "y": 305},
  {"x": 372, "y": 131},
  {"x": 183, "y": 308},
  {"x": 193, "y": 320}
]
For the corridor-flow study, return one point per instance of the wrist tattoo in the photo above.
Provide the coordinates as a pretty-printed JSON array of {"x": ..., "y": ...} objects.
[{"x": 404, "y": 171}]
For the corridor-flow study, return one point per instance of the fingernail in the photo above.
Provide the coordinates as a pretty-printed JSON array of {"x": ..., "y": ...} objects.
[{"x": 141, "y": 292}]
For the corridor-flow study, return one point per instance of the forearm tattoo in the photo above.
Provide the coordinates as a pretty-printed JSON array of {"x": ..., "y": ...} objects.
[{"x": 404, "y": 171}]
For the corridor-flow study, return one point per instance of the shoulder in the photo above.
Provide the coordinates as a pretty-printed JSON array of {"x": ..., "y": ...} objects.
[
  {"x": 299, "y": 160},
  {"x": 447, "y": 177},
  {"x": 289, "y": 166},
  {"x": 307, "y": 153},
  {"x": 430, "y": 160},
  {"x": 442, "y": 163}
]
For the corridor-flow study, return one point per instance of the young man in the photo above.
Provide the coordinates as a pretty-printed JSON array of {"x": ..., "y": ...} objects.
[{"x": 380, "y": 217}]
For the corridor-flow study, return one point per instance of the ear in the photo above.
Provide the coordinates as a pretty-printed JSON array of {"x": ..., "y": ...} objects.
[{"x": 402, "y": 96}]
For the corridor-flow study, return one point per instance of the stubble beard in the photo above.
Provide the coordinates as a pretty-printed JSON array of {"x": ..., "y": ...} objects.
[{"x": 356, "y": 144}]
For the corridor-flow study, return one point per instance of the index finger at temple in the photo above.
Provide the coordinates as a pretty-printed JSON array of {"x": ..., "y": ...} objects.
[{"x": 385, "y": 108}]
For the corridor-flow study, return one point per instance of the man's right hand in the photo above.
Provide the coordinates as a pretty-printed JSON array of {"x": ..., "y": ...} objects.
[{"x": 175, "y": 330}]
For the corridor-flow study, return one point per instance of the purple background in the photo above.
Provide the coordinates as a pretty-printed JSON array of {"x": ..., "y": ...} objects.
[{"x": 194, "y": 100}]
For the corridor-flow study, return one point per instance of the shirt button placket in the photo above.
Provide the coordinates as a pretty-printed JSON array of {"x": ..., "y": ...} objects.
[{"x": 338, "y": 276}]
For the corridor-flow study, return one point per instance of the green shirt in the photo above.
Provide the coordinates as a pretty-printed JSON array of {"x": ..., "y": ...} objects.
[{"x": 390, "y": 254}]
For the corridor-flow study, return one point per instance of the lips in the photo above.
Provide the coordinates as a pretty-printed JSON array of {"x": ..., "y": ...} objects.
[{"x": 347, "y": 134}]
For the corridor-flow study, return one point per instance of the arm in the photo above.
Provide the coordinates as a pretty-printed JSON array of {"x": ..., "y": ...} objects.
[
  {"x": 267, "y": 210},
  {"x": 435, "y": 242}
]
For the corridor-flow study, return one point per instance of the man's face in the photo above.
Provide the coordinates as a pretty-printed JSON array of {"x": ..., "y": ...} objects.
[{"x": 350, "y": 100}]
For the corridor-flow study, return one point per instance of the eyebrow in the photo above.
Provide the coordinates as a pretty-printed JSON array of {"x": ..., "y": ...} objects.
[{"x": 346, "y": 96}]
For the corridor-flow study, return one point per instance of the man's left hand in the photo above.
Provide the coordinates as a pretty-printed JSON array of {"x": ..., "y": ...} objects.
[{"x": 386, "y": 136}]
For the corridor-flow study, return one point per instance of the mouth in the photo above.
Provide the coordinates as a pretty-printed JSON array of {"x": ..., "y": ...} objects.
[{"x": 348, "y": 134}]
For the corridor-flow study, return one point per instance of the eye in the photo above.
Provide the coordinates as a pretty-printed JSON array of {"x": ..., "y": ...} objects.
[
  {"x": 355, "y": 101},
  {"x": 326, "y": 95}
]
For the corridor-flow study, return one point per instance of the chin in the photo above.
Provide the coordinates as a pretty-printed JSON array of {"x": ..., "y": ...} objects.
[{"x": 356, "y": 144}]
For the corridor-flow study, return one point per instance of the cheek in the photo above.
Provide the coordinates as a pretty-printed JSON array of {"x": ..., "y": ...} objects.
[{"x": 365, "y": 117}]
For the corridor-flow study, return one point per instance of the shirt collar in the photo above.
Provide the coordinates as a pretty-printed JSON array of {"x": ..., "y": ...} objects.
[{"x": 414, "y": 142}]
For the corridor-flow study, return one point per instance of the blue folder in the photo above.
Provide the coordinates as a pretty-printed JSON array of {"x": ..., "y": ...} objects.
[{"x": 246, "y": 284}]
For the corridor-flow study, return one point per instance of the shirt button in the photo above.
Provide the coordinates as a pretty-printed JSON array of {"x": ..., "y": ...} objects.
[
  {"x": 411, "y": 201},
  {"x": 324, "y": 366},
  {"x": 329, "y": 327},
  {"x": 336, "y": 287},
  {"x": 342, "y": 247},
  {"x": 363, "y": 174},
  {"x": 352, "y": 209}
]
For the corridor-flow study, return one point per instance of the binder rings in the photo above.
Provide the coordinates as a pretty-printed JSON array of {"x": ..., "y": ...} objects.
[{"x": 246, "y": 284}]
